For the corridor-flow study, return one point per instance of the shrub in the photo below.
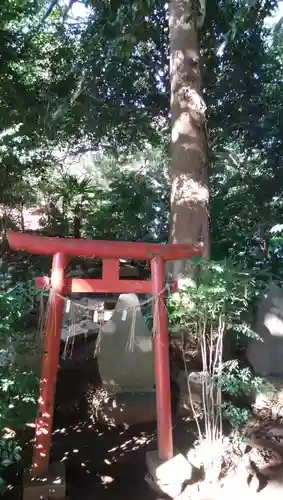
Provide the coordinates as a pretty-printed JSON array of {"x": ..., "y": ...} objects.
[
  {"x": 238, "y": 383},
  {"x": 207, "y": 308},
  {"x": 18, "y": 387}
]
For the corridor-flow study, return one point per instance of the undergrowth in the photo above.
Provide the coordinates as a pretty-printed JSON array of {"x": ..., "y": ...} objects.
[
  {"x": 18, "y": 385},
  {"x": 209, "y": 308}
]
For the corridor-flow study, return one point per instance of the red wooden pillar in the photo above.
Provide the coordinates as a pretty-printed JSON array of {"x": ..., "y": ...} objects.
[
  {"x": 161, "y": 361},
  {"x": 50, "y": 360}
]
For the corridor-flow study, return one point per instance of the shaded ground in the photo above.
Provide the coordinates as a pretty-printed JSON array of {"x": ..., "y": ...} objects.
[
  {"x": 103, "y": 464},
  {"x": 100, "y": 463}
]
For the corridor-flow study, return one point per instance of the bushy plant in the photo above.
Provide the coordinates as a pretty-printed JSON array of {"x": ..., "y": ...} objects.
[
  {"x": 209, "y": 307},
  {"x": 18, "y": 387},
  {"x": 9, "y": 454},
  {"x": 238, "y": 383},
  {"x": 220, "y": 291}
]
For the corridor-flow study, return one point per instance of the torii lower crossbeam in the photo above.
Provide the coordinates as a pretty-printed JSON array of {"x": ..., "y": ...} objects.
[{"x": 110, "y": 252}]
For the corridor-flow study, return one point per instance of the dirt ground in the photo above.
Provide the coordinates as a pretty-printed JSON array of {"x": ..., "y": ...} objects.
[
  {"x": 108, "y": 464},
  {"x": 100, "y": 463}
]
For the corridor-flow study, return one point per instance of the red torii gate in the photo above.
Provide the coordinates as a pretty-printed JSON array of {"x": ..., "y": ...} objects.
[{"x": 110, "y": 252}]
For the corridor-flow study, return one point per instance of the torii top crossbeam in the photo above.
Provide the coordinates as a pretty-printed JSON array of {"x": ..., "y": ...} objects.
[{"x": 44, "y": 245}]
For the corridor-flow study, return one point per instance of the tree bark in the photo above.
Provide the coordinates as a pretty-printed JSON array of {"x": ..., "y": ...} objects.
[
  {"x": 77, "y": 225},
  {"x": 189, "y": 173}
]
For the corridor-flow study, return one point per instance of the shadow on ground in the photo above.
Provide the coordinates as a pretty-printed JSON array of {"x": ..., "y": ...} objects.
[
  {"x": 103, "y": 463},
  {"x": 100, "y": 463}
]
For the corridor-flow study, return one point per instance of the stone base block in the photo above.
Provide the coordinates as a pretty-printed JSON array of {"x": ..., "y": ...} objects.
[
  {"x": 51, "y": 486},
  {"x": 169, "y": 476}
]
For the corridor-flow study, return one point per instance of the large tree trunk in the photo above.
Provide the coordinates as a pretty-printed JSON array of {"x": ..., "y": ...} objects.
[{"x": 189, "y": 175}]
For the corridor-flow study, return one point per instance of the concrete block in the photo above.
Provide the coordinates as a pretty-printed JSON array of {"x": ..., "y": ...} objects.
[
  {"x": 51, "y": 486},
  {"x": 169, "y": 475}
]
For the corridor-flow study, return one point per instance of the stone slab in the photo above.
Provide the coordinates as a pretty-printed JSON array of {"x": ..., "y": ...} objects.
[
  {"x": 51, "y": 486},
  {"x": 125, "y": 354},
  {"x": 266, "y": 353},
  {"x": 169, "y": 475}
]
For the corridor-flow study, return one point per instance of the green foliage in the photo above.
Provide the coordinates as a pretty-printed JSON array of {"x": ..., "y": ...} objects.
[
  {"x": 219, "y": 297},
  {"x": 273, "y": 254},
  {"x": 9, "y": 454},
  {"x": 247, "y": 157},
  {"x": 18, "y": 387},
  {"x": 16, "y": 301},
  {"x": 100, "y": 82},
  {"x": 130, "y": 210},
  {"x": 126, "y": 199},
  {"x": 18, "y": 391},
  {"x": 209, "y": 310},
  {"x": 236, "y": 416},
  {"x": 239, "y": 383}
]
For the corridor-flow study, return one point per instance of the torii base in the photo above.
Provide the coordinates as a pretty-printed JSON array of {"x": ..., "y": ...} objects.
[
  {"x": 168, "y": 476},
  {"x": 51, "y": 486}
]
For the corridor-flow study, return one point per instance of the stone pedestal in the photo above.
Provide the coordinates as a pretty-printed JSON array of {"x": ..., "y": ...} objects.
[
  {"x": 51, "y": 486},
  {"x": 169, "y": 476}
]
